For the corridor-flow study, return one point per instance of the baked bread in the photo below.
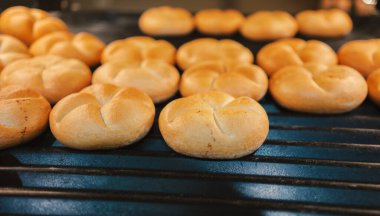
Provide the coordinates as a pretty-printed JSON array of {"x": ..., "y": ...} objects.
[
  {"x": 324, "y": 22},
  {"x": 218, "y": 22},
  {"x": 102, "y": 117},
  {"x": 29, "y": 24},
  {"x": 269, "y": 25},
  {"x": 235, "y": 78},
  {"x": 24, "y": 114},
  {"x": 156, "y": 78},
  {"x": 83, "y": 46},
  {"x": 139, "y": 48},
  {"x": 294, "y": 51},
  {"x": 317, "y": 88},
  {"x": 373, "y": 82},
  {"x": 166, "y": 21},
  {"x": 207, "y": 49},
  {"x": 11, "y": 49},
  {"x": 363, "y": 55},
  {"x": 214, "y": 125},
  {"x": 52, "y": 76}
]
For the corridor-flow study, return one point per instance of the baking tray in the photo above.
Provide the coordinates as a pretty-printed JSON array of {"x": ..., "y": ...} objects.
[{"x": 309, "y": 164}]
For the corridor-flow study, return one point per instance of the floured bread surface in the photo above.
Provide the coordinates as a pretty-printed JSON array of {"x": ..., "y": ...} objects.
[
  {"x": 102, "y": 117},
  {"x": 214, "y": 125}
]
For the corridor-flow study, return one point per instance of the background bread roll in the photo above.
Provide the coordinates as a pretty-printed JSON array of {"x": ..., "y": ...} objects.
[
  {"x": 83, "y": 46},
  {"x": 324, "y": 23},
  {"x": 29, "y": 24},
  {"x": 207, "y": 49},
  {"x": 269, "y": 25},
  {"x": 218, "y": 22},
  {"x": 11, "y": 49},
  {"x": 214, "y": 125},
  {"x": 52, "y": 76},
  {"x": 363, "y": 55},
  {"x": 24, "y": 114},
  {"x": 316, "y": 88},
  {"x": 235, "y": 78},
  {"x": 156, "y": 78},
  {"x": 276, "y": 55},
  {"x": 166, "y": 21},
  {"x": 139, "y": 48},
  {"x": 373, "y": 82},
  {"x": 102, "y": 117}
]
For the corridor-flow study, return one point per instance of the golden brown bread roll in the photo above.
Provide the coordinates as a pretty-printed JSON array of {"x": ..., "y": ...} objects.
[
  {"x": 373, "y": 82},
  {"x": 11, "y": 49},
  {"x": 83, "y": 46},
  {"x": 52, "y": 76},
  {"x": 269, "y": 25},
  {"x": 24, "y": 114},
  {"x": 166, "y": 21},
  {"x": 235, "y": 78},
  {"x": 156, "y": 78},
  {"x": 362, "y": 55},
  {"x": 218, "y": 22},
  {"x": 207, "y": 49},
  {"x": 139, "y": 48},
  {"x": 102, "y": 117},
  {"x": 294, "y": 51},
  {"x": 317, "y": 88},
  {"x": 214, "y": 125},
  {"x": 29, "y": 24},
  {"x": 324, "y": 23}
]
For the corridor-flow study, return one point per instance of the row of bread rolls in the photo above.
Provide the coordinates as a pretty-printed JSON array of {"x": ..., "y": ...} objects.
[{"x": 261, "y": 25}]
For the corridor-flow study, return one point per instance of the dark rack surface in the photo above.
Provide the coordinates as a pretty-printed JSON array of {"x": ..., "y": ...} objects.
[{"x": 309, "y": 164}]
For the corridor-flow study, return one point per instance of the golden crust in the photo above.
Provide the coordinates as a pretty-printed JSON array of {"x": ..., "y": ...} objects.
[
  {"x": 11, "y": 49},
  {"x": 218, "y": 22},
  {"x": 214, "y": 125},
  {"x": 102, "y": 117},
  {"x": 373, "y": 82}
]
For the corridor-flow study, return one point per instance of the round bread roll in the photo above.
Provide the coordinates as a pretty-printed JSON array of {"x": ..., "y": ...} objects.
[
  {"x": 269, "y": 25},
  {"x": 274, "y": 56},
  {"x": 207, "y": 49},
  {"x": 324, "y": 23},
  {"x": 139, "y": 48},
  {"x": 83, "y": 46},
  {"x": 102, "y": 117},
  {"x": 363, "y": 55},
  {"x": 156, "y": 78},
  {"x": 218, "y": 22},
  {"x": 214, "y": 125},
  {"x": 235, "y": 78},
  {"x": 373, "y": 82},
  {"x": 11, "y": 49},
  {"x": 28, "y": 24},
  {"x": 166, "y": 21},
  {"x": 317, "y": 88},
  {"x": 24, "y": 114},
  {"x": 52, "y": 76}
]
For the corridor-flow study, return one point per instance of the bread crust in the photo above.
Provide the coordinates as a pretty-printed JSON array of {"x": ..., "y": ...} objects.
[
  {"x": 373, "y": 82},
  {"x": 11, "y": 49},
  {"x": 218, "y": 22}
]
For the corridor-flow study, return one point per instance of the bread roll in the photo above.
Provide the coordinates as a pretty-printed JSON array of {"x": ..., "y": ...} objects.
[
  {"x": 363, "y": 55},
  {"x": 324, "y": 23},
  {"x": 11, "y": 49},
  {"x": 24, "y": 114},
  {"x": 218, "y": 22},
  {"x": 373, "y": 82},
  {"x": 28, "y": 24},
  {"x": 235, "y": 78},
  {"x": 207, "y": 49},
  {"x": 83, "y": 46},
  {"x": 52, "y": 76},
  {"x": 269, "y": 25},
  {"x": 156, "y": 78},
  {"x": 139, "y": 48},
  {"x": 214, "y": 125},
  {"x": 294, "y": 51},
  {"x": 317, "y": 88},
  {"x": 166, "y": 21},
  {"x": 102, "y": 117}
]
